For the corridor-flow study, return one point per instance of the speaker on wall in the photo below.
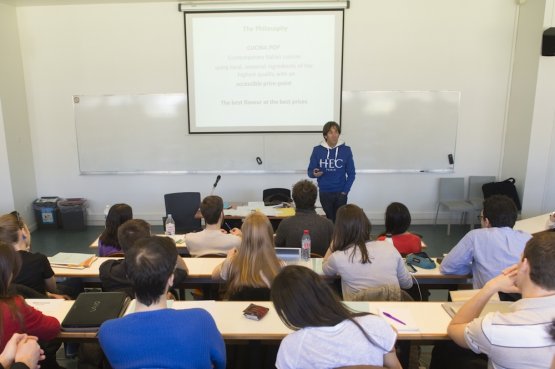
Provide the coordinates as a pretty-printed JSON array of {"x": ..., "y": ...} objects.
[{"x": 548, "y": 42}]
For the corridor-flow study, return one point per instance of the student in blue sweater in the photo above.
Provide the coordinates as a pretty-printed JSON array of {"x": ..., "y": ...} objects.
[
  {"x": 332, "y": 164},
  {"x": 155, "y": 336}
]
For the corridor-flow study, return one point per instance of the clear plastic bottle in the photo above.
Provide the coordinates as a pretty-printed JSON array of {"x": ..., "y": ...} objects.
[
  {"x": 305, "y": 245},
  {"x": 170, "y": 226}
]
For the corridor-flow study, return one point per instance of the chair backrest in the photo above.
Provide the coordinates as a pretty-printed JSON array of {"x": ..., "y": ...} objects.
[
  {"x": 276, "y": 195},
  {"x": 183, "y": 207},
  {"x": 475, "y": 186},
  {"x": 251, "y": 294},
  {"x": 451, "y": 189}
]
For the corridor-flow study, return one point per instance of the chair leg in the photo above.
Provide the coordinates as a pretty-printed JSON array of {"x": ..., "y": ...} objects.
[{"x": 437, "y": 212}]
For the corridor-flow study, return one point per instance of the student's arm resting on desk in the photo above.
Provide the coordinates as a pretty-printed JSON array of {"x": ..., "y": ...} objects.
[
  {"x": 36, "y": 323},
  {"x": 328, "y": 265},
  {"x": 459, "y": 259},
  {"x": 403, "y": 275},
  {"x": 472, "y": 308},
  {"x": 221, "y": 271}
]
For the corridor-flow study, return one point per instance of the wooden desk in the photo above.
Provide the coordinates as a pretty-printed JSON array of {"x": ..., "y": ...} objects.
[
  {"x": 200, "y": 272},
  {"x": 533, "y": 225},
  {"x": 429, "y": 317}
]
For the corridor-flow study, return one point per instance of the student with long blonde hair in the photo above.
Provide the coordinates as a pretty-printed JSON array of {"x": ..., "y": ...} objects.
[{"x": 254, "y": 264}]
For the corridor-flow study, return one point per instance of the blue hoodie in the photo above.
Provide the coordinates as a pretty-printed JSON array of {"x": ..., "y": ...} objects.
[{"x": 337, "y": 165}]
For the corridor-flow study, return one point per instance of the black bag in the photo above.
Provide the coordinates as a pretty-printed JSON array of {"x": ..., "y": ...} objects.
[{"x": 506, "y": 187}]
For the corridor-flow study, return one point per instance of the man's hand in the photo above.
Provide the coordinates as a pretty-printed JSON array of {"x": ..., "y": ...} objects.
[
  {"x": 317, "y": 172},
  {"x": 505, "y": 282}
]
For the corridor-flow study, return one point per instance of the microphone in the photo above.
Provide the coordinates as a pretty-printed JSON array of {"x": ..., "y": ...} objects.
[{"x": 215, "y": 184}]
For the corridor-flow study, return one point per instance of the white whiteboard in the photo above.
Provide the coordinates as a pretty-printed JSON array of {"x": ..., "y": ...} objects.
[{"x": 387, "y": 130}]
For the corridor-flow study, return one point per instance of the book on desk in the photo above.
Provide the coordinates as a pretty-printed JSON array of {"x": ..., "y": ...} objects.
[{"x": 72, "y": 260}]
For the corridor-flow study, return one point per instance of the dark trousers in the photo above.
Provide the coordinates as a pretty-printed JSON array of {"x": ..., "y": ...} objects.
[{"x": 331, "y": 201}]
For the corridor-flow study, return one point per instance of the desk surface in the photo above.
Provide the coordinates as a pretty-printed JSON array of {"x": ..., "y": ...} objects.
[
  {"x": 429, "y": 318},
  {"x": 200, "y": 270},
  {"x": 533, "y": 225}
]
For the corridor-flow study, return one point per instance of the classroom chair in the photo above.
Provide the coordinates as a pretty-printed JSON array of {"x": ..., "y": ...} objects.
[
  {"x": 183, "y": 207},
  {"x": 451, "y": 197}
]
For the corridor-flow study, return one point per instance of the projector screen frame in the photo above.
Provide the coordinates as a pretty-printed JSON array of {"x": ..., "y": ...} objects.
[{"x": 337, "y": 78}]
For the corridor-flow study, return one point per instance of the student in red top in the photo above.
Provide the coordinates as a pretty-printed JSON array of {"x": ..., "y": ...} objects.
[
  {"x": 16, "y": 315},
  {"x": 397, "y": 222}
]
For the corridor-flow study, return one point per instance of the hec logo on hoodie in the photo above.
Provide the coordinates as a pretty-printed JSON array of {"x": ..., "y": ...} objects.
[{"x": 331, "y": 164}]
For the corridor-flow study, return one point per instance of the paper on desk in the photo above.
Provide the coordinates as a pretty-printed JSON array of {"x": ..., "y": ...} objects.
[
  {"x": 72, "y": 260},
  {"x": 45, "y": 305},
  {"x": 131, "y": 307},
  {"x": 404, "y": 315}
]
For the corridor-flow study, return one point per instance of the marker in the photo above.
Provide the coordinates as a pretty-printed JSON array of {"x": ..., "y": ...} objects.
[{"x": 392, "y": 317}]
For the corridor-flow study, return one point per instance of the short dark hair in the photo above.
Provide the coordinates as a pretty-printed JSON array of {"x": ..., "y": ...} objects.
[
  {"x": 329, "y": 125},
  {"x": 540, "y": 253},
  {"x": 211, "y": 208},
  {"x": 131, "y": 231},
  {"x": 303, "y": 299},
  {"x": 352, "y": 229},
  {"x": 304, "y": 194},
  {"x": 150, "y": 263},
  {"x": 10, "y": 265},
  {"x": 397, "y": 218},
  {"x": 500, "y": 210}
]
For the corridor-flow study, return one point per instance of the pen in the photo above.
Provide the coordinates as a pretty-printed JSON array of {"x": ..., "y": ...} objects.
[{"x": 392, "y": 317}]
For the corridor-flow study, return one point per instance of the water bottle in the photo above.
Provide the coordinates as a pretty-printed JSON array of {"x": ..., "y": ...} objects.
[
  {"x": 305, "y": 245},
  {"x": 170, "y": 226}
]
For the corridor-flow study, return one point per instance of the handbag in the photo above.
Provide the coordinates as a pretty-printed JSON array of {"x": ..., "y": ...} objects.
[
  {"x": 506, "y": 187},
  {"x": 421, "y": 260}
]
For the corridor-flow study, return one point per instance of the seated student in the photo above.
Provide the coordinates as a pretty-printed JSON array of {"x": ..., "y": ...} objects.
[
  {"x": 330, "y": 335},
  {"x": 254, "y": 264},
  {"x": 519, "y": 338},
  {"x": 21, "y": 352},
  {"x": 36, "y": 272},
  {"x": 290, "y": 230},
  {"x": 155, "y": 336},
  {"x": 113, "y": 273},
  {"x": 486, "y": 251},
  {"x": 108, "y": 241},
  {"x": 16, "y": 315},
  {"x": 359, "y": 262},
  {"x": 397, "y": 222},
  {"x": 213, "y": 239}
]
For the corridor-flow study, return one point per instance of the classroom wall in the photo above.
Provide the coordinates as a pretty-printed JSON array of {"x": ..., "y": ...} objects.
[
  {"x": 539, "y": 190},
  {"x": 17, "y": 176},
  {"x": 139, "y": 48}
]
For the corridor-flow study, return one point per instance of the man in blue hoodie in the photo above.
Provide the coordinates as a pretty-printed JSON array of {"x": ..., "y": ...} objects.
[{"x": 332, "y": 164}]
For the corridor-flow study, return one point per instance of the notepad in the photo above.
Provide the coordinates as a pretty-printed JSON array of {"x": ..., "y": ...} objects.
[
  {"x": 72, "y": 260},
  {"x": 403, "y": 315}
]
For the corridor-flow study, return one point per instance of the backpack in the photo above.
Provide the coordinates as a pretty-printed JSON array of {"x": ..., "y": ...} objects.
[{"x": 506, "y": 187}]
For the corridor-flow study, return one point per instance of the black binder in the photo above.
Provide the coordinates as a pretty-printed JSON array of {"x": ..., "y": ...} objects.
[{"x": 91, "y": 309}]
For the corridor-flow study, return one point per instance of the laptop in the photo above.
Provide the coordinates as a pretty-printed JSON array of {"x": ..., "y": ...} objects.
[
  {"x": 288, "y": 254},
  {"x": 91, "y": 309}
]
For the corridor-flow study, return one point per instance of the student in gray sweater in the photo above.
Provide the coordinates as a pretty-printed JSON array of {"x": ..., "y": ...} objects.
[{"x": 290, "y": 230}]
